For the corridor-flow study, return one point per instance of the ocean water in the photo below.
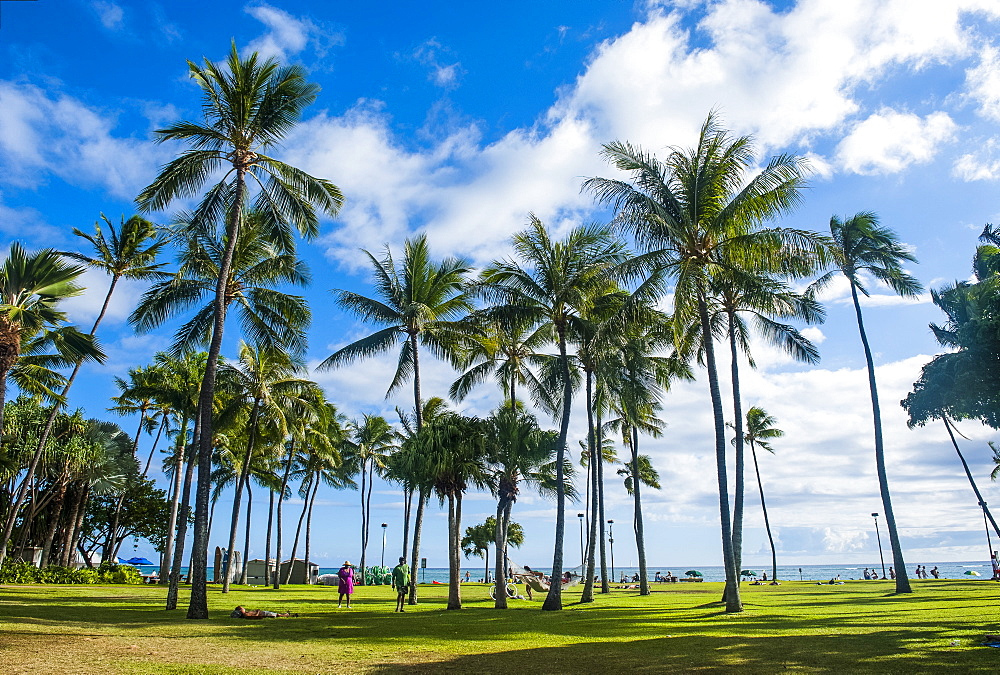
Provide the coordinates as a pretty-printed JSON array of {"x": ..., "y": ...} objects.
[{"x": 947, "y": 570}]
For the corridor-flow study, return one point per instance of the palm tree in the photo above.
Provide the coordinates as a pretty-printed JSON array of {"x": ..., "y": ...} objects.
[
  {"x": 31, "y": 287},
  {"x": 518, "y": 451},
  {"x": 452, "y": 448},
  {"x": 861, "y": 245},
  {"x": 478, "y": 538},
  {"x": 372, "y": 441},
  {"x": 759, "y": 432},
  {"x": 693, "y": 214},
  {"x": 266, "y": 382},
  {"x": 249, "y": 106},
  {"x": 420, "y": 303},
  {"x": 548, "y": 286},
  {"x": 756, "y": 293}
]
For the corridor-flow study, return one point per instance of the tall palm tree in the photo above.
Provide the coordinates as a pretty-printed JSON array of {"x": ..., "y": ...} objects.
[
  {"x": 518, "y": 451},
  {"x": 31, "y": 287},
  {"x": 420, "y": 303},
  {"x": 862, "y": 246},
  {"x": 692, "y": 214},
  {"x": 755, "y": 293},
  {"x": 371, "y": 442},
  {"x": 249, "y": 106},
  {"x": 759, "y": 432},
  {"x": 548, "y": 285}
]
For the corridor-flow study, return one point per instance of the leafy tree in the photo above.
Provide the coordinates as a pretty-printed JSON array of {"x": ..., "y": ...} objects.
[
  {"x": 478, "y": 538},
  {"x": 249, "y": 106},
  {"x": 697, "y": 212},
  {"x": 862, "y": 246},
  {"x": 31, "y": 287}
]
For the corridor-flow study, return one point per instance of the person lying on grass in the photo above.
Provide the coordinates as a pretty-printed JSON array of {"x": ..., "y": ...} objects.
[{"x": 241, "y": 613}]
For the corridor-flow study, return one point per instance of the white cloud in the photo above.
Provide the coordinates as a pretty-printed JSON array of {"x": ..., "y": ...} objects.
[
  {"x": 432, "y": 54},
  {"x": 48, "y": 133},
  {"x": 983, "y": 82},
  {"x": 983, "y": 163},
  {"x": 889, "y": 141},
  {"x": 110, "y": 14},
  {"x": 287, "y": 35}
]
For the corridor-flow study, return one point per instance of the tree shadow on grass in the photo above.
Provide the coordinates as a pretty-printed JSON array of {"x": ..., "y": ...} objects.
[{"x": 896, "y": 652}]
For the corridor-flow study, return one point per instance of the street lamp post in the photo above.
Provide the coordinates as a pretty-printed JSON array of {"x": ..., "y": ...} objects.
[
  {"x": 384, "y": 525},
  {"x": 611, "y": 540},
  {"x": 583, "y": 558},
  {"x": 879, "y": 538}
]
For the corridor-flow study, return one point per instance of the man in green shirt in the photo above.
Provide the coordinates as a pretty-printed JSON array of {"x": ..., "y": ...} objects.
[{"x": 401, "y": 582}]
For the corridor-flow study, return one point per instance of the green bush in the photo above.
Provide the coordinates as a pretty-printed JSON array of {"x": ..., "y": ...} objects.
[{"x": 20, "y": 572}]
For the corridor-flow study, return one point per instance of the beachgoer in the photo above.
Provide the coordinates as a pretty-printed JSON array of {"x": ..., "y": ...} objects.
[
  {"x": 401, "y": 582},
  {"x": 346, "y": 576},
  {"x": 763, "y": 576},
  {"x": 935, "y": 573},
  {"x": 996, "y": 566},
  {"x": 918, "y": 571},
  {"x": 241, "y": 613},
  {"x": 892, "y": 573},
  {"x": 867, "y": 576},
  {"x": 467, "y": 576}
]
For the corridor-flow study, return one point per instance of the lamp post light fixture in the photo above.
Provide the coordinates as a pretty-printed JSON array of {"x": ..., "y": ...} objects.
[
  {"x": 384, "y": 525},
  {"x": 611, "y": 540},
  {"x": 879, "y": 538},
  {"x": 583, "y": 558}
]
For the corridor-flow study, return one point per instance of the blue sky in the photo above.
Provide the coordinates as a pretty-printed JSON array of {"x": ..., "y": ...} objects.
[{"x": 459, "y": 122}]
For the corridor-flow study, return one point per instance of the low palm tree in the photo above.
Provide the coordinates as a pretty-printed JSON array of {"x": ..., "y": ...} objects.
[
  {"x": 862, "y": 246},
  {"x": 477, "y": 541},
  {"x": 760, "y": 430},
  {"x": 369, "y": 445}
]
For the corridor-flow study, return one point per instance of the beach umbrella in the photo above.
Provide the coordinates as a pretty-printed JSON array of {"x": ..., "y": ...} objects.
[
  {"x": 972, "y": 573},
  {"x": 139, "y": 561},
  {"x": 693, "y": 573},
  {"x": 748, "y": 573}
]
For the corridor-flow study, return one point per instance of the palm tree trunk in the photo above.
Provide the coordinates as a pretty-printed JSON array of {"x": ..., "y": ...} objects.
[
  {"x": 309, "y": 520},
  {"x": 267, "y": 540},
  {"x": 599, "y": 513},
  {"x": 968, "y": 473},
  {"x": 281, "y": 500},
  {"x": 454, "y": 562},
  {"x": 902, "y": 581},
  {"x": 407, "y": 507},
  {"x": 243, "y": 478},
  {"x": 179, "y": 466},
  {"x": 739, "y": 460},
  {"x": 55, "y": 513},
  {"x": 640, "y": 539},
  {"x": 43, "y": 439},
  {"x": 152, "y": 451},
  {"x": 364, "y": 525},
  {"x": 198, "y": 607},
  {"x": 246, "y": 535},
  {"x": 66, "y": 556},
  {"x": 500, "y": 541},
  {"x": 187, "y": 460},
  {"x": 733, "y": 602},
  {"x": 763, "y": 506},
  {"x": 298, "y": 531},
  {"x": 553, "y": 599},
  {"x": 418, "y": 522},
  {"x": 588, "y": 584}
]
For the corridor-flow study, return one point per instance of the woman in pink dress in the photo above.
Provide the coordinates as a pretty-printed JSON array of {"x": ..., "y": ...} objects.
[{"x": 346, "y": 576}]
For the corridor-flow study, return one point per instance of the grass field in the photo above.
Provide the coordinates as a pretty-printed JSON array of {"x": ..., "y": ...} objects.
[{"x": 795, "y": 627}]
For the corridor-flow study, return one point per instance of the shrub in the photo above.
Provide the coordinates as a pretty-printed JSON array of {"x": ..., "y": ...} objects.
[{"x": 20, "y": 572}]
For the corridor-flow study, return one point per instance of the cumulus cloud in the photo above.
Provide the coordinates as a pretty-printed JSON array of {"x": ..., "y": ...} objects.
[
  {"x": 890, "y": 141},
  {"x": 983, "y": 83},
  {"x": 983, "y": 163},
  {"x": 287, "y": 35}
]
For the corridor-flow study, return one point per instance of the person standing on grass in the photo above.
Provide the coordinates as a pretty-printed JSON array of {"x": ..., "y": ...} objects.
[
  {"x": 401, "y": 581},
  {"x": 346, "y": 576}
]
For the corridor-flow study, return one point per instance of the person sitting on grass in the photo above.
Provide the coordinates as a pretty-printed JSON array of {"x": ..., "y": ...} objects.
[
  {"x": 401, "y": 582},
  {"x": 241, "y": 613}
]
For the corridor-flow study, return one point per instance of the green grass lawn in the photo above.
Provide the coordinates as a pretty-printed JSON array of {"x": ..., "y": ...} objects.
[{"x": 801, "y": 627}]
